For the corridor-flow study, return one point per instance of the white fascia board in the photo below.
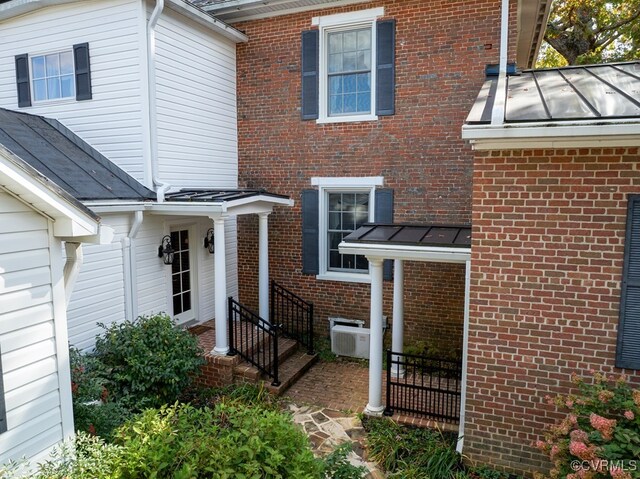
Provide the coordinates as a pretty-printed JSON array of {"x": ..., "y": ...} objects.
[
  {"x": 407, "y": 252},
  {"x": 205, "y": 19},
  {"x": 15, "y": 8},
  {"x": 355, "y": 182},
  {"x": 553, "y": 135},
  {"x": 246, "y": 6},
  {"x": 188, "y": 209},
  {"x": 70, "y": 220}
]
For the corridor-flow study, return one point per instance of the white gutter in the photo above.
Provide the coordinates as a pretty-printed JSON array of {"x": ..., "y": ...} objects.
[
  {"x": 162, "y": 187},
  {"x": 497, "y": 115},
  {"x": 129, "y": 267},
  {"x": 74, "y": 255}
]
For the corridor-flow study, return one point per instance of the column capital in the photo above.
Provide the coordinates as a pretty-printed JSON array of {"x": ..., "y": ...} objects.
[
  {"x": 375, "y": 261},
  {"x": 264, "y": 214}
]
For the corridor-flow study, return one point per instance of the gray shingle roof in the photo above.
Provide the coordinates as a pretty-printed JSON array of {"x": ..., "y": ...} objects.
[
  {"x": 589, "y": 92},
  {"x": 66, "y": 160}
]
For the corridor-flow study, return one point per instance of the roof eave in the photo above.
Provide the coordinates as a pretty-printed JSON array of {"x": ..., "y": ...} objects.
[
  {"x": 532, "y": 22},
  {"x": 435, "y": 254},
  {"x": 567, "y": 134}
]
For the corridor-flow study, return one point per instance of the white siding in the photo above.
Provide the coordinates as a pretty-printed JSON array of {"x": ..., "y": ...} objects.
[
  {"x": 98, "y": 294},
  {"x": 112, "y": 121},
  {"x": 27, "y": 334},
  {"x": 196, "y": 105}
]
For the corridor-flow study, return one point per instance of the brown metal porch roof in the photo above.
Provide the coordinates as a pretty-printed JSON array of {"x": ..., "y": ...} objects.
[{"x": 420, "y": 235}]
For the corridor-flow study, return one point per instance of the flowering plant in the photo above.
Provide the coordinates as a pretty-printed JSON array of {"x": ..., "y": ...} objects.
[{"x": 600, "y": 436}]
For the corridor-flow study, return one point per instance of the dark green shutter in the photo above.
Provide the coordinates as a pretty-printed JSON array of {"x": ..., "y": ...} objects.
[
  {"x": 82, "y": 71},
  {"x": 628, "y": 350},
  {"x": 310, "y": 77},
  {"x": 385, "y": 67},
  {"x": 3, "y": 409},
  {"x": 310, "y": 232},
  {"x": 384, "y": 214},
  {"x": 22, "y": 80}
]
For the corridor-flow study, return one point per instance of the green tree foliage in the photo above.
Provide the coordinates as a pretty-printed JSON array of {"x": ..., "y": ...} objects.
[{"x": 583, "y": 32}]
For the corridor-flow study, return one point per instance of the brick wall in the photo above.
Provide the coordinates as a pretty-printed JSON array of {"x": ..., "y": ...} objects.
[
  {"x": 548, "y": 243},
  {"x": 441, "y": 51}
]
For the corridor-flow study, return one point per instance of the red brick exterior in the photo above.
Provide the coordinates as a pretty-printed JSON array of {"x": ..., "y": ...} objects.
[
  {"x": 548, "y": 243},
  {"x": 442, "y": 48}
]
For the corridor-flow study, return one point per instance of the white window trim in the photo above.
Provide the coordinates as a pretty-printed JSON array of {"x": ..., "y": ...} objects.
[
  {"x": 67, "y": 99},
  {"x": 337, "y": 22},
  {"x": 336, "y": 185}
]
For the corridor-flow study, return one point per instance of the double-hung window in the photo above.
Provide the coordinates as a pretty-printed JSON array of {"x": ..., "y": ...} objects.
[
  {"x": 333, "y": 209},
  {"x": 52, "y": 76},
  {"x": 348, "y": 71}
]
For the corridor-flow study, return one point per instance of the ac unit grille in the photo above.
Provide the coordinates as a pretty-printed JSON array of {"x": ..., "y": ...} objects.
[{"x": 350, "y": 341}]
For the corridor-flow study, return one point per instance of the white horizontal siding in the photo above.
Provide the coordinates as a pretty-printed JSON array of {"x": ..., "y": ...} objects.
[
  {"x": 98, "y": 294},
  {"x": 196, "y": 105},
  {"x": 112, "y": 121},
  {"x": 27, "y": 334}
]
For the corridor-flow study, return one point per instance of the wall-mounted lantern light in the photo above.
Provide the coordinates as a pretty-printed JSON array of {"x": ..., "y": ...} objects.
[
  {"x": 208, "y": 241},
  {"x": 165, "y": 250}
]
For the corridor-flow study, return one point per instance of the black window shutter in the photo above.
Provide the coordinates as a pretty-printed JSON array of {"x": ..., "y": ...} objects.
[
  {"x": 83, "y": 71},
  {"x": 384, "y": 214},
  {"x": 22, "y": 80},
  {"x": 385, "y": 67},
  {"x": 3, "y": 409},
  {"x": 310, "y": 66},
  {"x": 628, "y": 350},
  {"x": 310, "y": 232}
]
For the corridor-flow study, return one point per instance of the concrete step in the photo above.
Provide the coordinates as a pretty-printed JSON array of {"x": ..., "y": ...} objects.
[
  {"x": 245, "y": 370},
  {"x": 291, "y": 370}
]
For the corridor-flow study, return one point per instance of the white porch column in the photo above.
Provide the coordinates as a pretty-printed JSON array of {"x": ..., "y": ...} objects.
[
  {"x": 220, "y": 296},
  {"x": 397, "y": 338},
  {"x": 263, "y": 265},
  {"x": 375, "y": 406}
]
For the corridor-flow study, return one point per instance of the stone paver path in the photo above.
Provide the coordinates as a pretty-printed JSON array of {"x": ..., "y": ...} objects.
[{"x": 328, "y": 428}]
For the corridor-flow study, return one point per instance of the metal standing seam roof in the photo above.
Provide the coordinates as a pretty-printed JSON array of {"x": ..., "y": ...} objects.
[
  {"x": 416, "y": 235},
  {"x": 588, "y": 92},
  {"x": 217, "y": 195},
  {"x": 66, "y": 160}
]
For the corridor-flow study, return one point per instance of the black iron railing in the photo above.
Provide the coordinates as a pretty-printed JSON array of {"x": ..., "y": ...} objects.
[
  {"x": 293, "y": 315},
  {"x": 254, "y": 339},
  {"x": 425, "y": 386}
]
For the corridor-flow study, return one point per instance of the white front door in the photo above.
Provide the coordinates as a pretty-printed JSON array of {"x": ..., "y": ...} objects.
[{"x": 182, "y": 278}]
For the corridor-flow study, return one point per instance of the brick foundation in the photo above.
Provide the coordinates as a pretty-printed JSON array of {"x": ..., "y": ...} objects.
[{"x": 548, "y": 243}]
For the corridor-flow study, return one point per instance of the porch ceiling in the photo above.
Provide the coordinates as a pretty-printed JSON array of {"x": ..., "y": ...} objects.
[{"x": 435, "y": 243}]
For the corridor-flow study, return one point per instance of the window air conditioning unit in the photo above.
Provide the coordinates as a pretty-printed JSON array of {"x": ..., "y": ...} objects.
[{"x": 350, "y": 341}]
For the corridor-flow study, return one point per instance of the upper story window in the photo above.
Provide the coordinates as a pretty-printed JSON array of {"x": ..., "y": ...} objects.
[
  {"x": 348, "y": 67},
  {"x": 349, "y": 72},
  {"x": 52, "y": 76}
]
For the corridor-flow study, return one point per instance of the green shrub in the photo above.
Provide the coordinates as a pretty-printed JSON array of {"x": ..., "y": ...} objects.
[
  {"x": 602, "y": 424},
  {"x": 228, "y": 441},
  {"x": 337, "y": 465},
  {"x": 149, "y": 362},
  {"x": 94, "y": 411}
]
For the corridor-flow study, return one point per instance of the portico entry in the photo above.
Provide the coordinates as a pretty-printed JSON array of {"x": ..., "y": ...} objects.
[{"x": 400, "y": 243}]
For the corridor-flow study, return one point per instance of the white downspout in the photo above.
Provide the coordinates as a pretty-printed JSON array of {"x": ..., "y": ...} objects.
[
  {"x": 161, "y": 187},
  {"x": 465, "y": 356},
  {"x": 73, "y": 252},
  {"x": 497, "y": 116},
  {"x": 129, "y": 267}
]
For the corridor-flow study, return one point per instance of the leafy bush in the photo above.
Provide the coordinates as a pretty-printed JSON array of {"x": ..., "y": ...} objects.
[
  {"x": 148, "y": 361},
  {"x": 93, "y": 409},
  {"x": 602, "y": 424},
  {"x": 246, "y": 394},
  {"x": 228, "y": 441},
  {"x": 337, "y": 465}
]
